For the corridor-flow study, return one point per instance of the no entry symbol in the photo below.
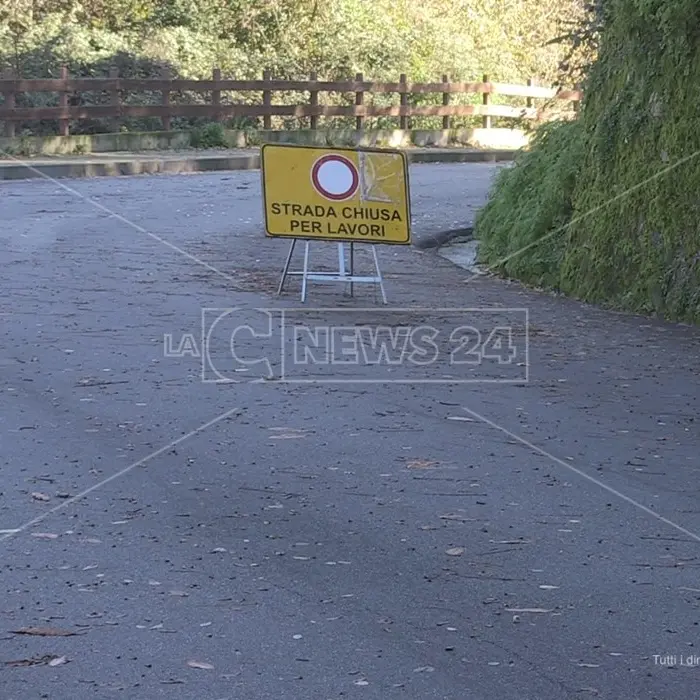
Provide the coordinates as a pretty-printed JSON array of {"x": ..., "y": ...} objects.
[{"x": 335, "y": 177}]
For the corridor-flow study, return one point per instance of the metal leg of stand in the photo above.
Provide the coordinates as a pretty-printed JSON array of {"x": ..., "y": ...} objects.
[
  {"x": 352, "y": 266},
  {"x": 306, "y": 271},
  {"x": 341, "y": 259},
  {"x": 286, "y": 266},
  {"x": 379, "y": 273}
]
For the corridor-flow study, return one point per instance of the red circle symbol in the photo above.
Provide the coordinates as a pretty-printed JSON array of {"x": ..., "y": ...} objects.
[{"x": 335, "y": 177}]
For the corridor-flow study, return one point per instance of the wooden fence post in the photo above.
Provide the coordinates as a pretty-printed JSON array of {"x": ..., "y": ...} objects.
[
  {"x": 267, "y": 102},
  {"x": 216, "y": 95},
  {"x": 359, "y": 102},
  {"x": 445, "y": 103},
  {"x": 313, "y": 101},
  {"x": 10, "y": 103},
  {"x": 114, "y": 99},
  {"x": 403, "y": 119},
  {"x": 166, "y": 74},
  {"x": 63, "y": 124},
  {"x": 530, "y": 102},
  {"x": 486, "y": 120}
]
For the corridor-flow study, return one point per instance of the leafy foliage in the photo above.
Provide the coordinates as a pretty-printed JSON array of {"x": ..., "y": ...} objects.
[
  {"x": 523, "y": 225},
  {"x": 210, "y": 135},
  {"x": 631, "y": 206},
  {"x": 337, "y": 38}
]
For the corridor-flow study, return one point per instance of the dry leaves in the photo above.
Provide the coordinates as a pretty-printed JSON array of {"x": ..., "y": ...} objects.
[
  {"x": 201, "y": 665},
  {"x": 455, "y": 551},
  {"x": 421, "y": 464},
  {"x": 286, "y": 433},
  {"x": 455, "y": 516},
  {"x": 46, "y": 632},
  {"x": 38, "y": 496},
  {"x": 48, "y": 660}
]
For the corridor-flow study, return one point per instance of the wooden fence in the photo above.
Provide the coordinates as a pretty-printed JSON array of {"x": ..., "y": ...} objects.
[{"x": 111, "y": 104}]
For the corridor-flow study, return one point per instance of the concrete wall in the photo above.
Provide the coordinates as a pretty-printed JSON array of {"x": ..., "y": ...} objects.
[{"x": 180, "y": 140}]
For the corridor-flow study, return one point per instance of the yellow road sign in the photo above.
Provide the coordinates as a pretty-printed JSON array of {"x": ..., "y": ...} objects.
[{"x": 336, "y": 194}]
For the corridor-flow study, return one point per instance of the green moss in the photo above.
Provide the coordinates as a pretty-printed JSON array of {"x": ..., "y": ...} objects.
[
  {"x": 522, "y": 229},
  {"x": 624, "y": 181}
]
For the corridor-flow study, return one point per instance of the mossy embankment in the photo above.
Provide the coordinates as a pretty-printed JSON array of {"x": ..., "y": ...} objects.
[{"x": 607, "y": 208}]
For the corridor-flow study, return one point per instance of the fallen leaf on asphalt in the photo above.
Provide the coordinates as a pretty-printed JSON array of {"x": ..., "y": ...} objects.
[
  {"x": 421, "y": 464},
  {"x": 455, "y": 551},
  {"x": 179, "y": 594},
  {"x": 200, "y": 664},
  {"x": 58, "y": 661},
  {"x": 45, "y": 535},
  {"x": 35, "y": 661},
  {"x": 38, "y": 496},
  {"x": 511, "y": 542},
  {"x": 287, "y": 433},
  {"x": 424, "y": 669},
  {"x": 45, "y": 632}
]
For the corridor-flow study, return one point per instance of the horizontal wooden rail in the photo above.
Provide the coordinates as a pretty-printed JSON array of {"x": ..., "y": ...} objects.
[
  {"x": 211, "y": 91},
  {"x": 240, "y": 110}
]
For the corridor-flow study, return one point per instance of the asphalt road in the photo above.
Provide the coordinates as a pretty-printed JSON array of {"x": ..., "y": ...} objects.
[{"x": 523, "y": 530}]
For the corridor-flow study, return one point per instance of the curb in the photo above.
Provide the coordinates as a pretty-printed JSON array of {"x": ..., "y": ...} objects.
[
  {"x": 173, "y": 165},
  {"x": 442, "y": 238}
]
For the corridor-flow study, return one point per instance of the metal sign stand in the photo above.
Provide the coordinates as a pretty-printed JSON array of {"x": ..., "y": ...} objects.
[{"x": 341, "y": 276}]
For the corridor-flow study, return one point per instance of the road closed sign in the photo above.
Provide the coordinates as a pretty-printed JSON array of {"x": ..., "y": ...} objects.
[{"x": 336, "y": 194}]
